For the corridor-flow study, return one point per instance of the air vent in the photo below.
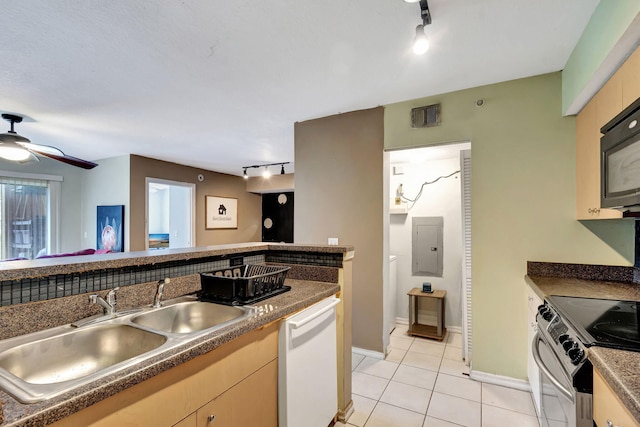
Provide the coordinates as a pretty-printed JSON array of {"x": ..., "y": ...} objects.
[{"x": 425, "y": 117}]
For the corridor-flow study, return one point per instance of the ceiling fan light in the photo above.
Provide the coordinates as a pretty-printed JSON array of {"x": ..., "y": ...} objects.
[
  {"x": 420, "y": 42},
  {"x": 14, "y": 152}
]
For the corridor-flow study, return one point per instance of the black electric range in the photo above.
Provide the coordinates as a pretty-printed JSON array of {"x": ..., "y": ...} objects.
[{"x": 602, "y": 322}]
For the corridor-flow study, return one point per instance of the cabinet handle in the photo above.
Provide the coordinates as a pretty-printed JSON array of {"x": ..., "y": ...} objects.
[{"x": 211, "y": 418}]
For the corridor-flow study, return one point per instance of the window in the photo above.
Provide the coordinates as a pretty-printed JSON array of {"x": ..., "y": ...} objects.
[{"x": 26, "y": 215}]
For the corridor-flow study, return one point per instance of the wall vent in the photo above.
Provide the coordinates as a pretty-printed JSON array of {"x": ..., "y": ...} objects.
[{"x": 425, "y": 117}]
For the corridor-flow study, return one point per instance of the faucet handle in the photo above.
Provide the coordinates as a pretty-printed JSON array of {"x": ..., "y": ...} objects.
[{"x": 111, "y": 297}]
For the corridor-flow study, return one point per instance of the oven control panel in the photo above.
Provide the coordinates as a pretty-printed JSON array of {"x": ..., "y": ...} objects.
[{"x": 564, "y": 341}]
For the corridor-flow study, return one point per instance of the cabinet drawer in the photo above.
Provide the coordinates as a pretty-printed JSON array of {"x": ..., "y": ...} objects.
[{"x": 252, "y": 402}]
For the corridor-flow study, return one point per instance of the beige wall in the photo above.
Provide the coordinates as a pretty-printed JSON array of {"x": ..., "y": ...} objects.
[
  {"x": 273, "y": 184},
  {"x": 214, "y": 184},
  {"x": 523, "y": 202},
  {"x": 339, "y": 194}
]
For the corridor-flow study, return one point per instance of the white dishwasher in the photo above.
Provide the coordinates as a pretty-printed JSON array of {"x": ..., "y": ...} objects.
[{"x": 307, "y": 367}]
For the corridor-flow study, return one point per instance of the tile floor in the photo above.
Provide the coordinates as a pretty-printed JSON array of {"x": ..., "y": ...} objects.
[{"x": 423, "y": 383}]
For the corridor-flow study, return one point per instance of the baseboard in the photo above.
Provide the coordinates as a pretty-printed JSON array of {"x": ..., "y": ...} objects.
[
  {"x": 455, "y": 329},
  {"x": 405, "y": 321},
  {"x": 500, "y": 380},
  {"x": 368, "y": 353}
]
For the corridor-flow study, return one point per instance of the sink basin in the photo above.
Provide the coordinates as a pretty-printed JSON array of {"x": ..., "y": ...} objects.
[
  {"x": 48, "y": 363},
  {"x": 188, "y": 317},
  {"x": 77, "y": 354}
]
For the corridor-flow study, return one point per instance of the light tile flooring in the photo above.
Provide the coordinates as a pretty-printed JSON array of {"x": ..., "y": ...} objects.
[{"x": 425, "y": 383}]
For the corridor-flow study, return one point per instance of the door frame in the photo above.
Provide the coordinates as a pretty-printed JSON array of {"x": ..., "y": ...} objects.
[{"x": 191, "y": 186}]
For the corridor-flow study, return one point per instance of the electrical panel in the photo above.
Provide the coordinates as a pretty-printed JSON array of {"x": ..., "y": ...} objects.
[{"x": 427, "y": 250}]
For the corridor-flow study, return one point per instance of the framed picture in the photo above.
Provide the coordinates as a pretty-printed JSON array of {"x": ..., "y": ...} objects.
[
  {"x": 110, "y": 228},
  {"x": 220, "y": 212}
]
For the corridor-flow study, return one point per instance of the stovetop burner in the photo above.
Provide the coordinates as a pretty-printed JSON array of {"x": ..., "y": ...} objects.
[{"x": 602, "y": 322}]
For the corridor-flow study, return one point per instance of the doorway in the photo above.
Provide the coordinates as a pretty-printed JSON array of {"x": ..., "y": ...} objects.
[
  {"x": 170, "y": 208},
  {"x": 426, "y": 183}
]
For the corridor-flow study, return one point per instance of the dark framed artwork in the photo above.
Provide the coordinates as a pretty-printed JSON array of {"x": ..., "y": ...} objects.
[
  {"x": 110, "y": 228},
  {"x": 221, "y": 212}
]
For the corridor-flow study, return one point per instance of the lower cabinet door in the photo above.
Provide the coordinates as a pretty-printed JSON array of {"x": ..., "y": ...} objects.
[
  {"x": 252, "y": 402},
  {"x": 190, "y": 421}
]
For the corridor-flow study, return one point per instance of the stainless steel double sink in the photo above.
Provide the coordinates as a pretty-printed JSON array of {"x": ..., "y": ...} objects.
[{"x": 51, "y": 362}]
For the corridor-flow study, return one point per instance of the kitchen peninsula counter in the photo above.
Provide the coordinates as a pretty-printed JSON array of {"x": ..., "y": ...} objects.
[
  {"x": 619, "y": 368},
  {"x": 302, "y": 294},
  {"x": 316, "y": 273}
]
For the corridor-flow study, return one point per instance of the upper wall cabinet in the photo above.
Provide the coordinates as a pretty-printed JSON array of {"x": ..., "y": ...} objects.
[
  {"x": 588, "y": 165},
  {"x": 621, "y": 90},
  {"x": 630, "y": 72}
]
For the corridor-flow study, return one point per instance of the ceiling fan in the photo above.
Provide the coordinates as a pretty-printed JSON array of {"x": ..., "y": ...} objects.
[{"x": 19, "y": 149}]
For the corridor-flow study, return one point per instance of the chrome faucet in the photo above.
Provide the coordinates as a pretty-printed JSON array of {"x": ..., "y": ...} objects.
[
  {"x": 109, "y": 306},
  {"x": 158, "y": 298}
]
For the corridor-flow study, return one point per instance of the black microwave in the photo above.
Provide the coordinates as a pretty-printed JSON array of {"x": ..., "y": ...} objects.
[{"x": 620, "y": 161}]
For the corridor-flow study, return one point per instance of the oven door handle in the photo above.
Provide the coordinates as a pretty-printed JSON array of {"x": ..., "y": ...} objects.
[{"x": 536, "y": 356}]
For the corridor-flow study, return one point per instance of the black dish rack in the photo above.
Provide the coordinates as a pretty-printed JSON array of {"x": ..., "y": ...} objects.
[{"x": 244, "y": 284}]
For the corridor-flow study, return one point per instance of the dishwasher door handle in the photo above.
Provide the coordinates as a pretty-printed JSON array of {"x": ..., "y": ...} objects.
[{"x": 300, "y": 323}]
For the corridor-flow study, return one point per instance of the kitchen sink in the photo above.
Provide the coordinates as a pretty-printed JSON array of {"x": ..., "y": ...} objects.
[
  {"x": 78, "y": 353},
  {"x": 48, "y": 363},
  {"x": 189, "y": 317}
]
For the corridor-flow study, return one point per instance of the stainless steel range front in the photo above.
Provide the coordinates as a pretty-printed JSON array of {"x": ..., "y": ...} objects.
[{"x": 566, "y": 374}]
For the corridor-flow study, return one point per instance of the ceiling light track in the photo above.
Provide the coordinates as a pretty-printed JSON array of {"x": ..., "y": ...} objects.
[{"x": 266, "y": 173}]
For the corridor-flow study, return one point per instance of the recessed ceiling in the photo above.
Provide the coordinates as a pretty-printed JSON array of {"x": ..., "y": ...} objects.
[{"x": 219, "y": 84}]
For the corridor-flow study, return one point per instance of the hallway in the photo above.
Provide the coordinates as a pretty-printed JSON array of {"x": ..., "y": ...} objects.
[{"x": 424, "y": 383}]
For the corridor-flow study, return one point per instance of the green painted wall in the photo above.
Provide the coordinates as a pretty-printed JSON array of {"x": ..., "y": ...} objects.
[
  {"x": 523, "y": 202},
  {"x": 607, "y": 24}
]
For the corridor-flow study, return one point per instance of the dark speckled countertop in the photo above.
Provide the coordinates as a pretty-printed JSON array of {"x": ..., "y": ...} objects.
[
  {"x": 618, "y": 368},
  {"x": 302, "y": 294}
]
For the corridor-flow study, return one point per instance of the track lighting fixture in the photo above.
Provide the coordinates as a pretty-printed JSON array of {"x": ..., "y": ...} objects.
[
  {"x": 420, "y": 42},
  {"x": 266, "y": 173}
]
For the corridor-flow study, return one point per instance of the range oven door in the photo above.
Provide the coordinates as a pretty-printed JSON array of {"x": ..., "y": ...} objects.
[{"x": 561, "y": 404}]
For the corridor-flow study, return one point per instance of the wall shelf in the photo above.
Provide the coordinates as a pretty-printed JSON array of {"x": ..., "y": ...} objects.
[{"x": 401, "y": 209}]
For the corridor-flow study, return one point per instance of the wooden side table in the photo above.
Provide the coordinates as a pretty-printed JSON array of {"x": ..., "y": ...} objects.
[{"x": 427, "y": 331}]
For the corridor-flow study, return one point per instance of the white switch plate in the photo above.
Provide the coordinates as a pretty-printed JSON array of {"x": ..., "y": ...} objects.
[{"x": 332, "y": 241}]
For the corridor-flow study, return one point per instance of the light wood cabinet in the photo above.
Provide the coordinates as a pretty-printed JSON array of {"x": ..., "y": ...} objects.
[
  {"x": 630, "y": 71},
  {"x": 190, "y": 421},
  {"x": 607, "y": 407},
  {"x": 588, "y": 164},
  {"x": 609, "y": 100},
  {"x": 170, "y": 398},
  {"x": 621, "y": 90},
  {"x": 253, "y": 402}
]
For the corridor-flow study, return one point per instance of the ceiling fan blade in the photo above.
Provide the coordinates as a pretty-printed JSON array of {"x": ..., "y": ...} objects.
[
  {"x": 40, "y": 148},
  {"x": 70, "y": 160},
  {"x": 31, "y": 159}
]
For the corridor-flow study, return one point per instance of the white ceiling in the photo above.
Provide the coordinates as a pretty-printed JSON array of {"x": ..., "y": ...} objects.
[{"x": 219, "y": 84}]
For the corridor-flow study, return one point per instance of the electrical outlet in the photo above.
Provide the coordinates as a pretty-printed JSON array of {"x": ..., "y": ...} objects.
[
  {"x": 332, "y": 241},
  {"x": 235, "y": 261}
]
